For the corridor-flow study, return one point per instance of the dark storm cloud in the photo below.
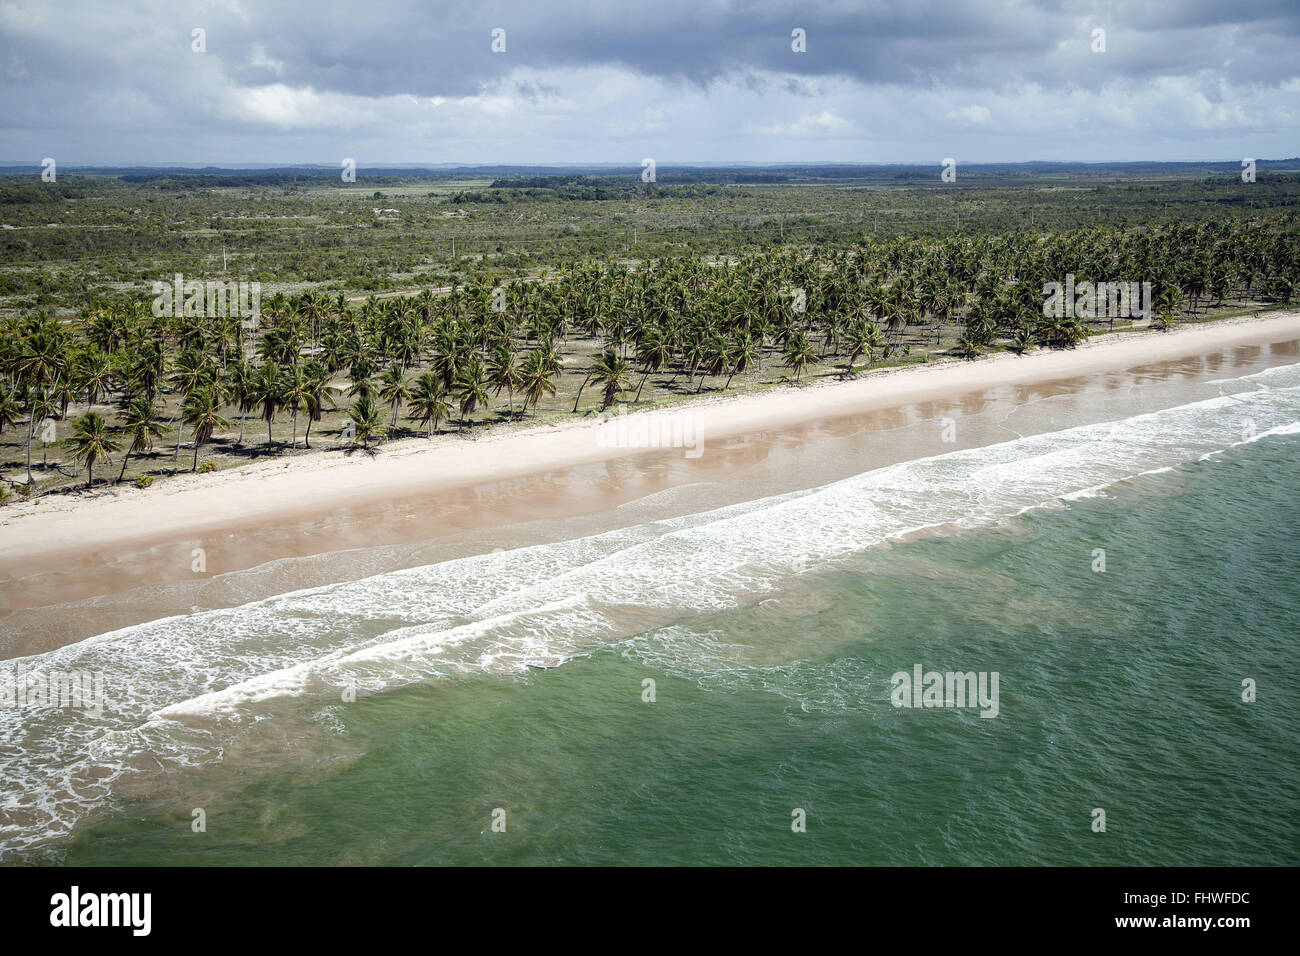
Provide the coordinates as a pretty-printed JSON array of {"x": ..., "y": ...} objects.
[
  {"x": 385, "y": 47},
  {"x": 443, "y": 48}
]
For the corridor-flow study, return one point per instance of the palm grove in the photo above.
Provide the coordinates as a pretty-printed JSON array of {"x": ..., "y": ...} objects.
[{"x": 146, "y": 385}]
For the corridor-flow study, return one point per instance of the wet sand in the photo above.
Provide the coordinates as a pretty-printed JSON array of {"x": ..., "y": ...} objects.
[{"x": 86, "y": 566}]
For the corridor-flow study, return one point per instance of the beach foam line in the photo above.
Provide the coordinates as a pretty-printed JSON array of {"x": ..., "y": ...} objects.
[{"x": 516, "y": 640}]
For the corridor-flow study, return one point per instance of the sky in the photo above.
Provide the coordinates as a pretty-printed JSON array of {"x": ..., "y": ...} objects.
[{"x": 581, "y": 81}]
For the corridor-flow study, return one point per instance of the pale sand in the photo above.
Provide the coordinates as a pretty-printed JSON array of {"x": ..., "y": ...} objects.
[{"x": 186, "y": 506}]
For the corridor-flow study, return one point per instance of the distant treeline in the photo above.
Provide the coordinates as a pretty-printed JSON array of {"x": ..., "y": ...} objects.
[
  {"x": 553, "y": 188},
  {"x": 18, "y": 193},
  {"x": 618, "y": 182}
]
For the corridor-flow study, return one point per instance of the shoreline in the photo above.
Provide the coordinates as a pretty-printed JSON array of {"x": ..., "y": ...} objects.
[{"x": 189, "y": 505}]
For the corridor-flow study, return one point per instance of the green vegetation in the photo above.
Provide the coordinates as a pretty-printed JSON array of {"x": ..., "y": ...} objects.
[{"x": 575, "y": 292}]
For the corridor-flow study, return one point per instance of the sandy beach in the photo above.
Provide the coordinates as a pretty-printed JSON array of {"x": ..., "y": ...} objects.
[{"x": 138, "y": 544}]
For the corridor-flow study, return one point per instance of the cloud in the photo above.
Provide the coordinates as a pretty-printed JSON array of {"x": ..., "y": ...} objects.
[
  {"x": 820, "y": 124},
  {"x": 971, "y": 115},
  {"x": 584, "y": 80}
]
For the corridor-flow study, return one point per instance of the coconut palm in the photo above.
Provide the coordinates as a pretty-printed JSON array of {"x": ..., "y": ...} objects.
[
  {"x": 319, "y": 394},
  {"x": 10, "y": 409},
  {"x": 394, "y": 389},
  {"x": 42, "y": 357},
  {"x": 1022, "y": 341},
  {"x": 295, "y": 387},
  {"x": 537, "y": 378},
  {"x": 799, "y": 353},
  {"x": 969, "y": 346},
  {"x": 861, "y": 338},
  {"x": 366, "y": 421},
  {"x": 91, "y": 440},
  {"x": 471, "y": 388},
  {"x": 141, "y": 423},
  {"x": 43, "y": 409},
  {"x": 428, "y": 402},
  {"x": 94, "y": 375},
  {"x": 239, "y": 388},
  {"x": 202, "y": 414},
  {"x": 504, "y": 373},
  {"x": 614, "y": 373},
  {"x": 267, "y": 391}
]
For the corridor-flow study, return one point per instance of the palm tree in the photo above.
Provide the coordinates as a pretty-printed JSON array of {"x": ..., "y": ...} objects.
[
  {"x": 653, "y": 352},
  {"x": 267, "y": 391},
  {"x": 968, "y": 346},
  {"x": 43, "y": 408},
  {"x": 428, "y": 402},
  {"x": 363, "y": 387},
  {"x": 800, "y": 353},
  {"x": 394, "y": 390},
  {"x": 9, "y": 407},
  {"x": 614, "y": 373},
  {"x": 90, "y": 441},
  {"x": 294, "y": 388},
  {"x": 239, "y": 386},
  {"x": 94, "y": 375},
  {"x": 201, "y": 412},
  {"x": 536, "y": 379},
  {"x": 40, "y": 360},
  {"x": 42, "y": 356},
  {"x": 504, "y": 372},
  {"x": 745, "y": 351},
  {"x": 318, "y": 394},
  {"x": 471, "y": 388},
  {"x": 364, "y": 415},
  {"x": 141, "y": 423},
  {"x": 191, "y": 372},
  {"x": 862, "y": 338}
]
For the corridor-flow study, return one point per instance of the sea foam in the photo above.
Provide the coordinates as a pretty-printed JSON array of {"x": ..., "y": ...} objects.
[{"x": 177, "y": 688}]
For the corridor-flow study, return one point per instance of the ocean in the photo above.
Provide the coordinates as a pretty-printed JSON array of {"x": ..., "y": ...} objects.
[{"x": 719, "y": 687}]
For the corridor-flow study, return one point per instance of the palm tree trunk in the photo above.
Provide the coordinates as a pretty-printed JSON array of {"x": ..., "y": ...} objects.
[
  {"x": 580, "y": 388},
  {"x": 126, "y": 456},
  {"x": 196, "y": 454}
]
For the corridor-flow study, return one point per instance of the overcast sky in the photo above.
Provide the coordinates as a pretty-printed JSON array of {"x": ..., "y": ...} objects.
[{"x": 417, "y": 81}]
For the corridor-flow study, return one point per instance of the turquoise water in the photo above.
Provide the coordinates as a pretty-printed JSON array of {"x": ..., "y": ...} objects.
[
  {"x": 1119, "y": 690},
  {"x": 770, "y": 630}
]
